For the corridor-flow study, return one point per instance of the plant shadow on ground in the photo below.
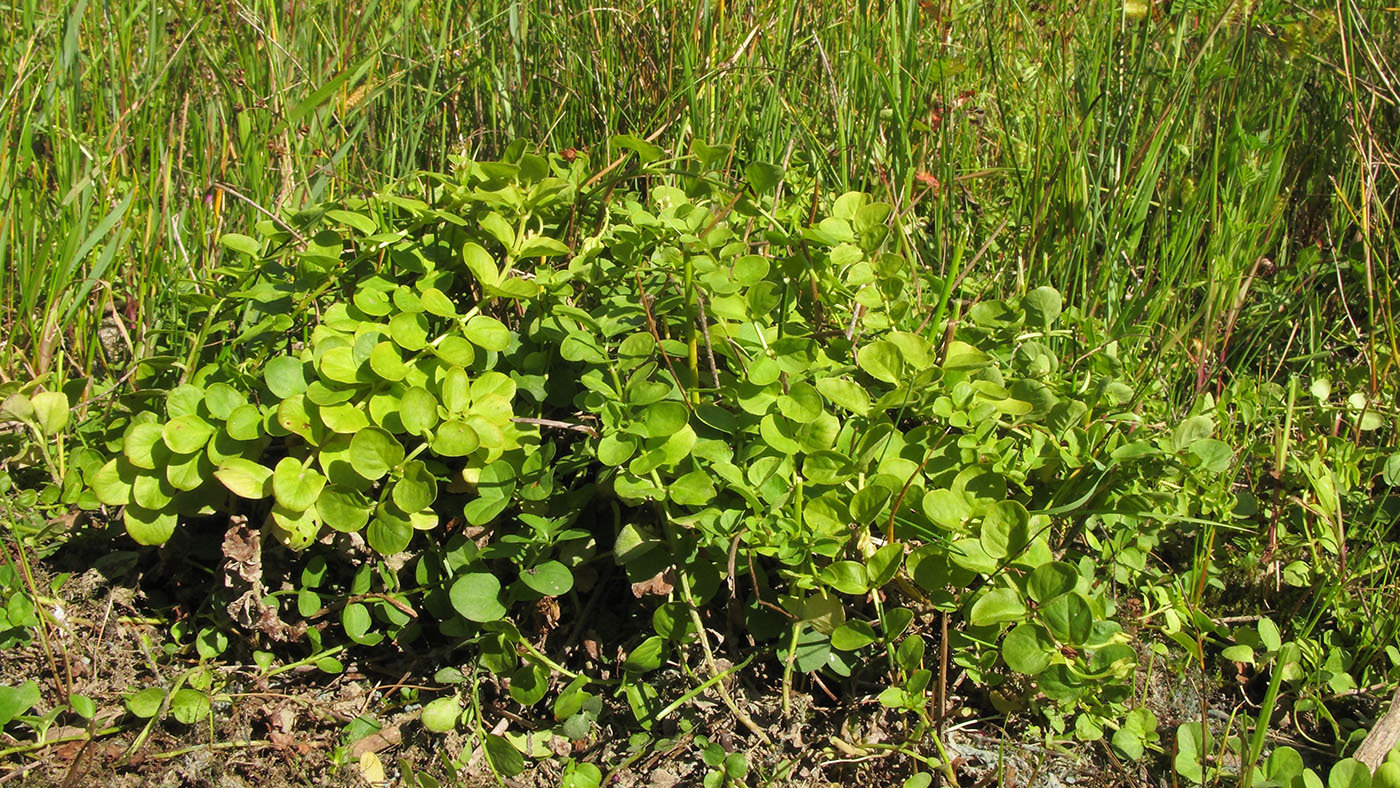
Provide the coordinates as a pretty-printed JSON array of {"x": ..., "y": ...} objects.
[{"x": 297, "y": 728}]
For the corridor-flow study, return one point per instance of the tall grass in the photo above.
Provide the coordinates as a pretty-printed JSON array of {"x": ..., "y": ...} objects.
[{"x": 1216, "y": 179}]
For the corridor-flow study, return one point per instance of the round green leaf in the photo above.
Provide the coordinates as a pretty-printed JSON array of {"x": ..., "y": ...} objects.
[
  {"x": 295, "y": 529},
  {"x": 777, "y": 432},
  {"x": 644, "y": 392},
  {"x": 384, "y": 407},
  {"x": 845, "y": 394},
  {"x": 881, "y": 360},
  {"x": 418, "y": 410},
  {"x": 239, "y": 243},
  {"x": 663, "y": 419},
  {"x": 146, "y": 703},
  {"x": 1283, "y": 765},
  {"x": 437, "y": 303},
  {"x": 1387, "y": 776},
  {"x": 407, "y": 300},
  {"x": 802, "y": 403},
  {"x": 189, "y": 706},
  {"x": 969, "y": 554},
  {"x": 112, "y": 482},
  {"x": 1215, "y": 455},
  {"x": 50, "y": 411},
  {"x": 550, "y": 578},
  {"x": 85, "y": 707},
  {"x": 946, "y": 508},
  {"x": 852, "y": 635},
  {"x": 481, "y": 511},
  {"x": 409, "y": 330},
  {"x": 148, "y": 527},
  {"x": 151, "y": 492},
  {"x": 373, "y": 451},
  {"x": 356, "y": 620},
  {"x": 1191, "y": 430},
  {"x": 296, "y": 486},
  {"x": 187, "y": 471},
  {"x": 529, "y": 684},
  {"x": 868, "y": 503},
  {"x": 1390, "y": 472},
  {"x": 389, "y": 535},
  {"x": 996, "y": 606},
  {"x": 344, "y": 508},
  {"x": 1051, "y": 580},
  {"x": 1005, "y": 529},
  {"x": 476, "y": 597},
  {"x": 492, "y": 385},
  {"x": 1349, "y": 773},
  {"x": 456, "y": 390},
  {"x": 456, "y": 351},
  {"x": 487, "y": 333},
  {"x": 884, "y": 564},
  {"x": 764, "y": 370},
  {"x": 17, "y": 406},
  {"x": 1069, "y": 618},
  {"x": 647, "y": 656},
  {"x": 615, "y": 448},
  {"x": 1042, "y": 306},
  {"x": 318, "y": 393},
  {"x": 183, "y": 400},
  {"x": 284, "y": 376},
  {"x": 339, "y": 364},
  {"x": 503, "y": 755},
  {"x": 386, "y": 361},
  {"x": 826, "y": 467},
  {"x": 1027, "y": 649},
  {"x": 962, "y": 357},
  {"x": 222, "y": 399},
  {"x": 139, "y": 445},
  {"x": 848, "y": 577},
  {"x": 416, "y": 489},
  {"x": 372, "y": 301},
  {"x": 692, "y": 489},
  {"x": 292, "y": 417},
  {"x": 244, "y": 423},
  {"x": 750, "y": 269},
  {"x": 454, "y": 438},
  {"x": 345, "y": 418}
]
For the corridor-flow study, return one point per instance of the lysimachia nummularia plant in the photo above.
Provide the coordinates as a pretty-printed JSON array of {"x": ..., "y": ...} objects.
[{"x": 512, "y": 373}]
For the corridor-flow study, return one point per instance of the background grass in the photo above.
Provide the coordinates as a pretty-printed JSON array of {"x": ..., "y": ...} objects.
[{"x": 1216, "y": 179}]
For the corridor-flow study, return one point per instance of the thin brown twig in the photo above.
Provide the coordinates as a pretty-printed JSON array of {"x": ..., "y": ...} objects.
[
  {"x": 224, "y": 187},
  {"x": 563, "y": 425},
  {"x": 656, "y": 335},
  {"x": 705, "y": 331}
]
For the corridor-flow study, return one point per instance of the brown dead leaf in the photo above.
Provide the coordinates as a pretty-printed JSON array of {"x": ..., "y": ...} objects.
[
  {"x": 547, "y": 614},
  {"x": 288, "y": 742},
  {"x": 280, "y": 718},
  {"x": 389, "y": 736},
  {"x": 243, "y": 549},
  {"x": 243, "y": 575},
  {"x": 661, "y": 584}
]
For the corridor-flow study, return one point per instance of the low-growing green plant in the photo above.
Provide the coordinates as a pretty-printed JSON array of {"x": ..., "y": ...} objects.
[{"x": 766, "y": 405}]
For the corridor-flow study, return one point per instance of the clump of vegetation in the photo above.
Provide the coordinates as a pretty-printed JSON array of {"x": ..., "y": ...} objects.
[{"x": 631, "y": 447}]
